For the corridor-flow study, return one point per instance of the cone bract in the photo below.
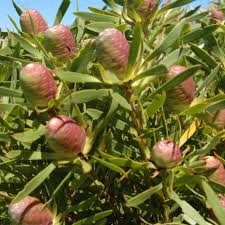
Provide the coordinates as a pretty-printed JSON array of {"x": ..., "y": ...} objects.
[
  {"x": 32, "y": 17},
  {"x": 65, "y": 136},
  {"x": 60, "y": 42},
  {"x": 29, "y": 211},
  {"x": 181, "y": 96},
  {"x": 166, "y": 154},
  {"x": 38, "y": 84},
  {"x": 217, "y": 15},
  {"x": 112, "y": 51}
]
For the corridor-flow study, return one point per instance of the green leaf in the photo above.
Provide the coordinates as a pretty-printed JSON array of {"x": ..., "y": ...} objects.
[
  {"x": 74, "y": 77},
  {"x": 200, "y": 107},
  {"x": 4, "y": 137},
  {"x": 175, "y": 4},
  {"x": 109, "y": 165},
  {"x": 80, "y": 63},
  {"x": 29, "y": 47},
  {"x": 174, "y": 57},
  {"x": 209, "y": 80},
  {"x": 142, "y": 197},
  {"x": 171, "y": 83},
  {"x": 202, "y": 54},
  {"x": 168, "y": 41},
  {"x": 187, "y": 209},
  {"x": 29, "y": 136},
  {"x": 213, "y": 201},
  {"x": 17, "y": 8},
  {"x": 82, "y": 206},
  {"x": 94, "y": 218},
  {"x": 8, "y": 92},
  {"x": 199, "y": 33},
  {"x": 100, "y": 26},
  {"x": 35, "y": 182},
  {"x": 61, "y": 11},
  {"x": 216, "y": 106},
  {"x": 135, "y": 49},
  {"x": 155, "y": 105},
  {"x": 35, "y": 155},
  {"x": 9, "y": 107},
  {"x": 156, "y": 70},
  {"x": 84, "y": 96},
  {"x": 197, "y": 17},
  {"x": 95, "y": 17},
  {"x": 121, "y": 101}
]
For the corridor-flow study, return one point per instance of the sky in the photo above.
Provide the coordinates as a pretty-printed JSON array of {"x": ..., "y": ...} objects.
[{"x": 48, "y": 9}]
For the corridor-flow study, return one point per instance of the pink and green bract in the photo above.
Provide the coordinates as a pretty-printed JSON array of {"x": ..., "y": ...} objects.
[
  {"x": 60, "y": 42},
  {"x": 112, "y": 51},
  {"x": 181, "y": 96},
  {"x": 65, "y": 136},
  {"x": 31, "y": 21},
  {"x": 38, "y": 84},
  {"x": 166, "y": 154}
]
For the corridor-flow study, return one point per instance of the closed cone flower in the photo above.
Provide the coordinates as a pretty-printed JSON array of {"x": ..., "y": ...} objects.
[
  {"x": 166, "y": 154},
  {"x": 112, "y": 51},
  {"x": 32, "y": 21},
  {"x": 222, "y": 201},
  {"x": 29, "y": 211},
  {"x": 60, "y": 42},
  {"x": 145, "y": 8},
  {"x": 38, "y": 84},
  {"x": 65, "y": 136},
  {"x": 216, "y": 16},
  {"x": 181, "y": 96},
  {"x": 212, "y": 164}
]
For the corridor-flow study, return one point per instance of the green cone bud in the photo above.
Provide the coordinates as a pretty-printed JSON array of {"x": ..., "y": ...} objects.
[
  {"x": 180, "y": 97},
  {"x": 112, "y": 51},
  {"x": 32, "y": 17},
  {"x": 166, "y": 154},
  {"x": 38, "y": 84},
  {"x": 65, "y": 136},
  {"x": 29, "y": 211},
  {"x": 213, "y": 165},
  {"x": 60, "y": 42}
]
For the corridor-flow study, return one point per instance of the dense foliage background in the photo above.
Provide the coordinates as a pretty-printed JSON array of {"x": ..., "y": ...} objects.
[{"x": 114, "y": 180}]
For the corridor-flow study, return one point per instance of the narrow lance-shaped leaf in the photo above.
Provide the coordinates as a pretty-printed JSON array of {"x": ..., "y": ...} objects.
[
  {"x": 135, "y": 49},
  {"x": 94, "y": 218},
  {"x": 35, "y": 182},
  {"x": 187, "y": 209},
  {"x": 213, "y": 202},
  {"x": 74, "y": 77},
  {"x": 175, "y": 4},
  {"x": 157, "y": 70},
  {"x": 17, "y": 8},
  {"x": 109, "y": 165},
  {"x": 168, "y": 41},
  {"x": 142, "y": 197},
  {"x": 61, "y": 11},
  {"x": 202, "y": 54},
  {"x": 95, "y": 17}
]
